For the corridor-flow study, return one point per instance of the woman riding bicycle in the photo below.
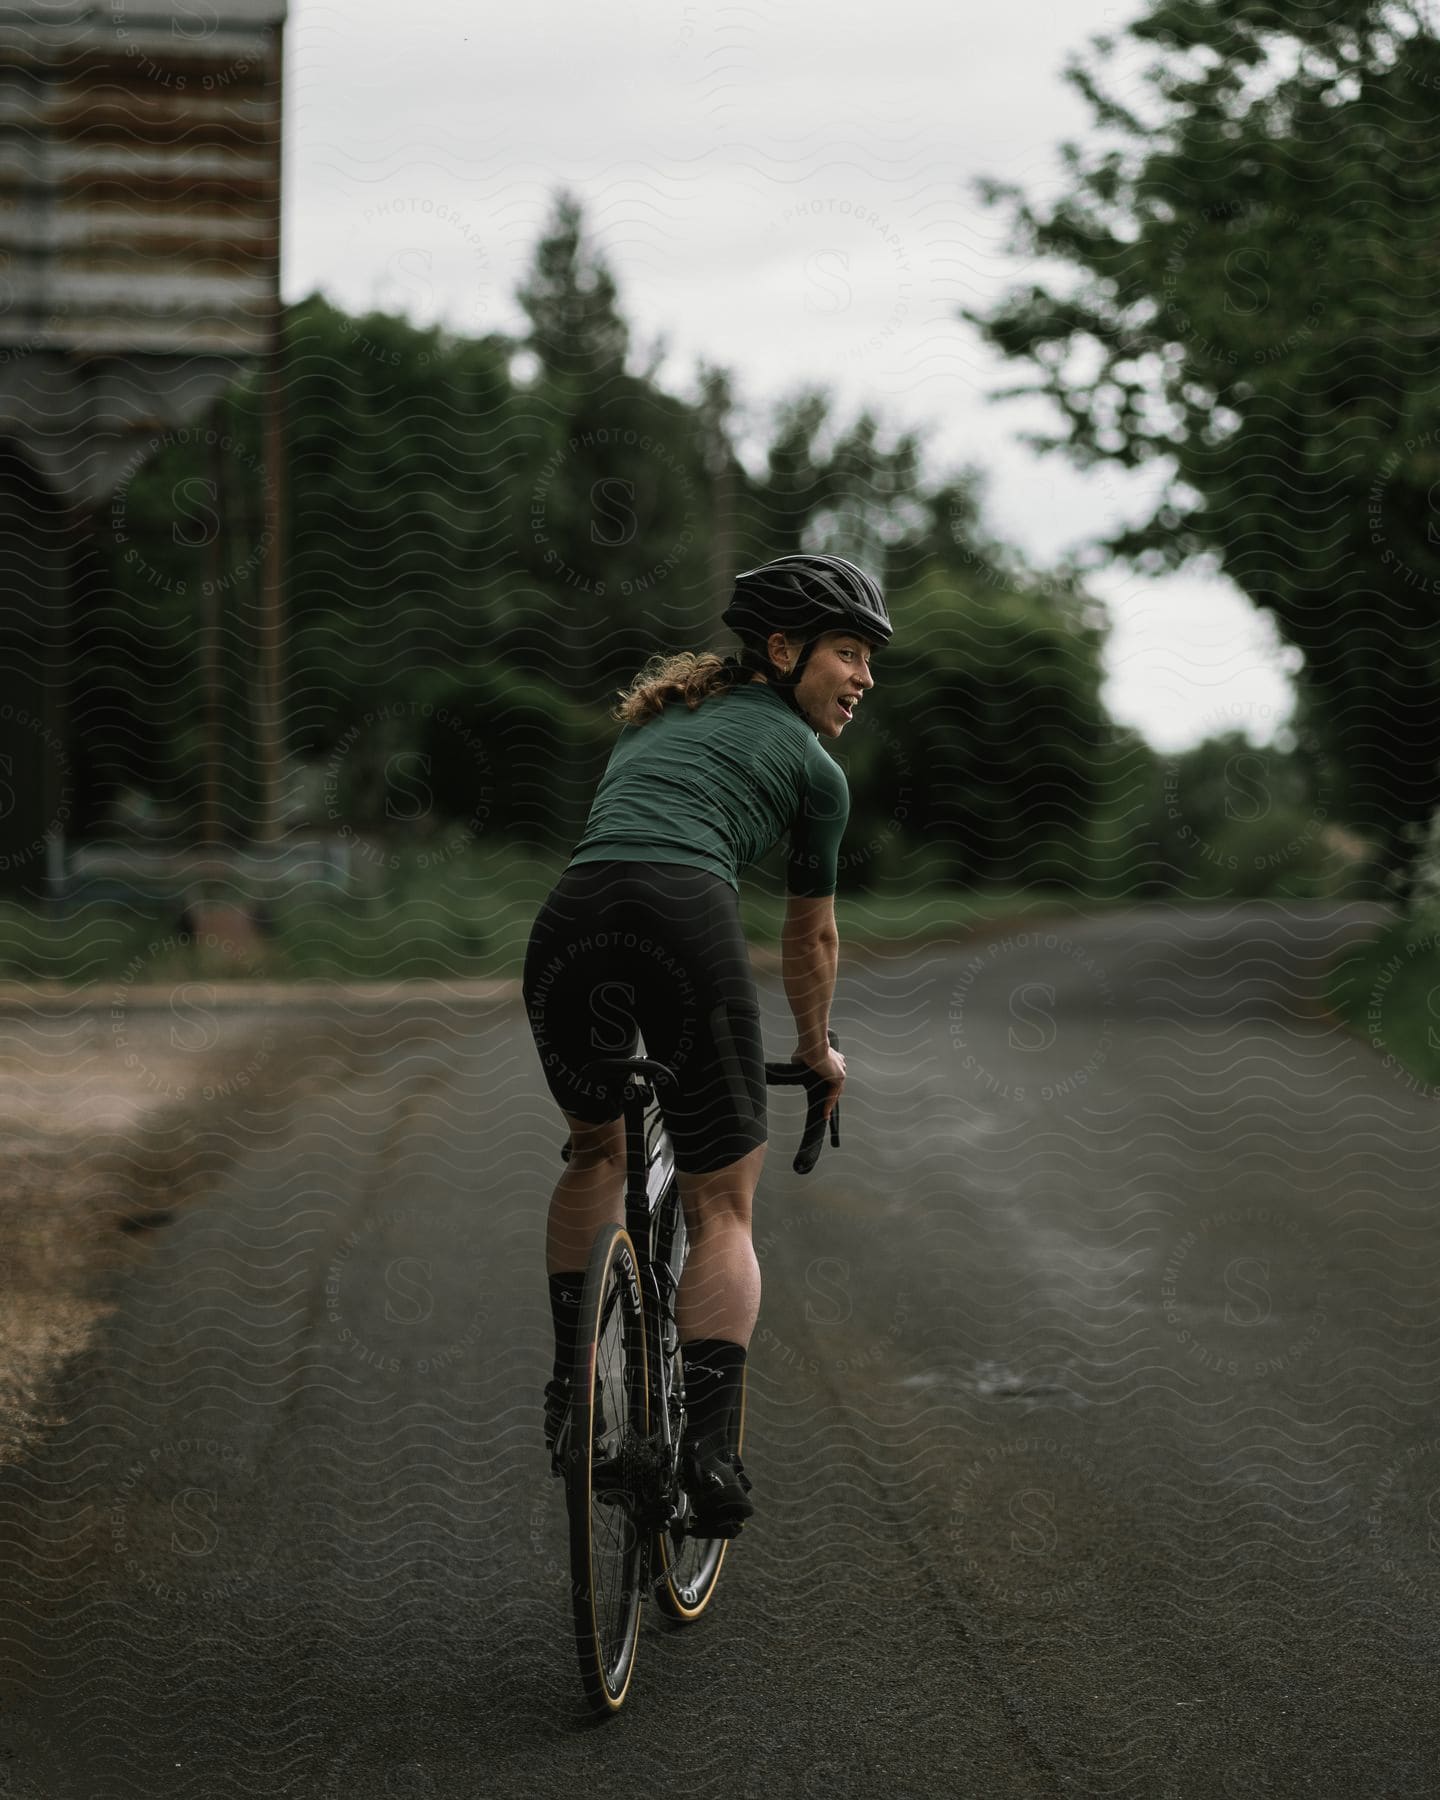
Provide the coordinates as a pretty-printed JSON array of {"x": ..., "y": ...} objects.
[{"x": 718, "y": 760}]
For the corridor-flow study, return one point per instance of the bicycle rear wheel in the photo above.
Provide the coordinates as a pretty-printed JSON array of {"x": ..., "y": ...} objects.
[
  {"x": 689, "y": 1567},
  {"x": 610, "y": 1413}
]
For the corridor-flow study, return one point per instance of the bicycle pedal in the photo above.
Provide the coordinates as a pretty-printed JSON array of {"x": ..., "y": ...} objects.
[{"x": 716, "y": 1531}]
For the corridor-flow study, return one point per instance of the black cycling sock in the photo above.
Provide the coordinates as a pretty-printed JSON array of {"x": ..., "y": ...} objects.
[
  {"x": 714, "y": 1383},
  {"x": 566, "y": 1293}
]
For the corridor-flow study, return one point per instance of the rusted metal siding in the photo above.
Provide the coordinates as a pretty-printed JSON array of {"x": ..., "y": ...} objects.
[{"x": 139, "y": 177}]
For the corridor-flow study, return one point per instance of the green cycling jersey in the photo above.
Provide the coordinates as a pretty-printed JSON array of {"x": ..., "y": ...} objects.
[{"x": 714, "y": 788}]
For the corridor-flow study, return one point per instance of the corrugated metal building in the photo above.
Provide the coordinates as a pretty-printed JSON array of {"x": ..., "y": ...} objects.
[{"x": 140, "y": 157}]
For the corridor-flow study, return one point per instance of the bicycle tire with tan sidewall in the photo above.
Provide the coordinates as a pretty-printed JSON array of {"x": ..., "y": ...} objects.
[{"x": 609, "y": 1557}]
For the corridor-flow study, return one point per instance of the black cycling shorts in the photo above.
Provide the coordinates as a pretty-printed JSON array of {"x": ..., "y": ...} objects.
[{"x": 621, "y": 948}]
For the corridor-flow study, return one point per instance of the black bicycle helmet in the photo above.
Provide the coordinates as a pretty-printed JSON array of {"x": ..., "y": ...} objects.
[{"x": 803, "y": 596}]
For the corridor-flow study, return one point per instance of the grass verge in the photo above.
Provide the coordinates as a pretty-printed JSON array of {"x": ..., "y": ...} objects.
[
  {"x": 1387, "y": 990},
  {"x": 466, "y": 917}
]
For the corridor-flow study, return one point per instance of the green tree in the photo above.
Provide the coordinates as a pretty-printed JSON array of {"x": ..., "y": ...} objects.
[
  {"x": 1245, "y": 295},
  {"x": 572, "y": 301},
  {"x": 716, "y": 408},
  {"x": 1232, "y": 820},
  {"x": 797, "y": 480},
  {"x": 474, "y": 566},
  {"x": 853, "y": 490},
  {"x": 986, "y": 724},
  {"x": 981, "y": 752}
]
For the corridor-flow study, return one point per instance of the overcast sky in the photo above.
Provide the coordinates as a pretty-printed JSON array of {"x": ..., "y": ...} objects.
[{"x": 781, "y": 186}]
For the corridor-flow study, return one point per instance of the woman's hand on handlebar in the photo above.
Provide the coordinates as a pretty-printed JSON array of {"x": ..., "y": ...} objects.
[{"x": 831, "y": 1065}]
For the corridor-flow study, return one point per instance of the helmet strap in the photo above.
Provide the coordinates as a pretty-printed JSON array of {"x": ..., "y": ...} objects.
[{"x": 753, "y": 658}]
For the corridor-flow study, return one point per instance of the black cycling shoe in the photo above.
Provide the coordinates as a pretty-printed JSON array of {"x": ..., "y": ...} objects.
[
  {"x": 717, "y": 1484},
  {"x": 557, "y": 1421}
]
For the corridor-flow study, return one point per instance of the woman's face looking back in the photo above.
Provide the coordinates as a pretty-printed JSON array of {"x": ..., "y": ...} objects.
[{"x": 836, "y": 678}]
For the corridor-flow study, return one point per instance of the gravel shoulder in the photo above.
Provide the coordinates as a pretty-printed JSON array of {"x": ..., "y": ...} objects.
[{"x": 109, "y": 1127}]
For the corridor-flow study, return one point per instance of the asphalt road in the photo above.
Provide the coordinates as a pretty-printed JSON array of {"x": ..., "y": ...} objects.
[{"x": 1093, "y": 1420}]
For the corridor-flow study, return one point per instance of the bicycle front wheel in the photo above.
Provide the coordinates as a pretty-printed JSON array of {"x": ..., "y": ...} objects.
[{"x": 610, "y": 1412}]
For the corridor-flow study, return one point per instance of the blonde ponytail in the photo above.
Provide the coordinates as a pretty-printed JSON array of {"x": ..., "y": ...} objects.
[{"x": 684, "y": 676}]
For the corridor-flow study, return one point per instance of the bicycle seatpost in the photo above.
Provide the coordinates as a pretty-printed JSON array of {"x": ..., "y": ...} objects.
[{"x": 643, "y": 1078}]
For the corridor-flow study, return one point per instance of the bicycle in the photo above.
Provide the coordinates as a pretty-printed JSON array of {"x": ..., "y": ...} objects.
[{"x": 619, "y": 1450}]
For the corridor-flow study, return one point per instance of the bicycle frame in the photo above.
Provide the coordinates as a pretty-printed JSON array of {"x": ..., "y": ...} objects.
[
  {"x": 639, "y": 1269},
  {"x": 659, "y": 1255},
  {"x": 649, "y": 1177}
]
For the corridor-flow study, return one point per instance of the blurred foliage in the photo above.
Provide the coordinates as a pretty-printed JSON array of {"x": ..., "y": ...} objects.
[
  {"x": 1241, "y": 280},
  {"x": 465, "y": 913},
  {"x": 1232, "y": 821},
  {"x": 1387, "y": 989},
  {"x": 89, "y": 943},
  {"x": 486, "y": 538},
  {"x": 1423, "y": 892}
]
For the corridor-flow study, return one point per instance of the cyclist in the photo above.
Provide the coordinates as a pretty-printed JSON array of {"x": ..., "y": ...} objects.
[{"x": 717, "y": 760}]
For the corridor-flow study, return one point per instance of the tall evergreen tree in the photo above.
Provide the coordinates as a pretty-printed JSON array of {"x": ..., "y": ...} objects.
[
  {"x": 715, "y": 412},
  {"x": 572, "y": 302}
]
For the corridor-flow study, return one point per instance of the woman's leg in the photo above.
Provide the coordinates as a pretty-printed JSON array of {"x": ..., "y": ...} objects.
[
  {"x": 589, "y": 1194},
  {"x": 719, "y": 1293},
  {"x": 716, "y": 1309}
]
